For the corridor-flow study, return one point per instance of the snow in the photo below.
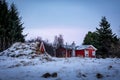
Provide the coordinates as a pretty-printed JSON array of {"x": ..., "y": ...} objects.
[
  {"x": 26, "y": 67},
  {"x": 20, "y": 49},
  {"x": 74, "y": 68}
]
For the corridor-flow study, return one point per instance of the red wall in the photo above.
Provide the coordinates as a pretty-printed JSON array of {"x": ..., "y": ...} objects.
[
  {"x": 90, "y": 53},
  {"x": 79, "y": 53}
]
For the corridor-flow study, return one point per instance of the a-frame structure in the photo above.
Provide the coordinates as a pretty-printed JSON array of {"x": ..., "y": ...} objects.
[{"x": 42, "y": 48}]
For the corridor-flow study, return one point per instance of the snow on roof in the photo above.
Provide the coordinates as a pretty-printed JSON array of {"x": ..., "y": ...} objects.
[
  {"x": 68, "y": 46},
  {"x": 85, "y": 47},
  {"x": 79, "y": 47}
]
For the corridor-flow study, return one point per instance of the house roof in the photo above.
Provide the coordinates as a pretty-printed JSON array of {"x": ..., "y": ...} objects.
[
  {"x": 85, "y": 47},
  {"x": 68, "y": 46},
  {"x": 79, "y": 47}
]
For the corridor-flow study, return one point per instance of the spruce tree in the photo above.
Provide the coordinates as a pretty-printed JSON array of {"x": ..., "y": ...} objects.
[
  {"x": 16, "y": 25},
  {"x": 10, "y": 26},
  {"x": 106, "y": 38},
  {"x": 3, "y": 24}
]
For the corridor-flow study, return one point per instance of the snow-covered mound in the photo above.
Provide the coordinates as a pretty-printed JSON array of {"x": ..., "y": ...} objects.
[
  {"x": 24, "y": 50},
  {"x": 20, "y": 49}
]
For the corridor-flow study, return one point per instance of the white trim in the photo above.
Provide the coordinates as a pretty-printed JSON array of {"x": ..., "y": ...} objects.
[
  {"x": 43, "y": 46},
  {"x": 93, "y": 47},
  {"x": 93, "y": 53}
]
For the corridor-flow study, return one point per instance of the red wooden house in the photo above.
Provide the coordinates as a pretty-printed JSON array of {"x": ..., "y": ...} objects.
[
  {"x": 85, "y": 51},
  {"x": 79, "y": 51}
]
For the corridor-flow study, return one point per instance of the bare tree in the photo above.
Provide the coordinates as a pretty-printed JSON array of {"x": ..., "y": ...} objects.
[
  {"x": 55, "y": 43},
  {"x": 60, "y": 40}
]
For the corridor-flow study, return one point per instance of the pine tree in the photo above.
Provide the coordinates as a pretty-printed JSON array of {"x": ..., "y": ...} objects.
[
  {"x": 10, "y": 25},
  {"x": 16, "y": 25},
  {"x": 3, "y": 24},
  {"x": 106, "y": 38}
]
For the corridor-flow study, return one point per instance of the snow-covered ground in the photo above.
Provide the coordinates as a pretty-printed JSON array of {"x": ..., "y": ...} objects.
[
  {"x": 74, "y": 68},
  {"x": 20, "y": 62}
]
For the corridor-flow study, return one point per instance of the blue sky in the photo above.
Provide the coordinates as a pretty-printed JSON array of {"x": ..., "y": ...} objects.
[{"x": 71, "y": 18}]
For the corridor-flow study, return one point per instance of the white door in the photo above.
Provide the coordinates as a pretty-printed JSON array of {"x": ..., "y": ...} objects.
[
  {"x": 86, "y": 53},
  {"x": 93, "y": 53}
]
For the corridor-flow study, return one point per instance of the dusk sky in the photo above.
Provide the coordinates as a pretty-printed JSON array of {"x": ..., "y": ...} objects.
[{"x": 71, "y": 18}]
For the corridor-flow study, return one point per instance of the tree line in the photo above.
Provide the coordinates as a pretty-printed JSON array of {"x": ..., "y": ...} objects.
[
  {"x": 107, "y": 43},
  {"x": 11, "y": 27}
]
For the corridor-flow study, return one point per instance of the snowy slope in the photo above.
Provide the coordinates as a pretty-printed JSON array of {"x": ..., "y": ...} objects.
[{"x": 67, "y": 69}]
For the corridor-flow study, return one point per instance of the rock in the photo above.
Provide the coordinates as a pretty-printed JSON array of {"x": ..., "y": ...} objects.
[
  {"x": 54, "y": 74},
  {"x": 98, "y": 75},
  {"x": 84, "y": 75},
  {"x": 46, "y": 75},
  {"x": 109, "y": 67}
]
